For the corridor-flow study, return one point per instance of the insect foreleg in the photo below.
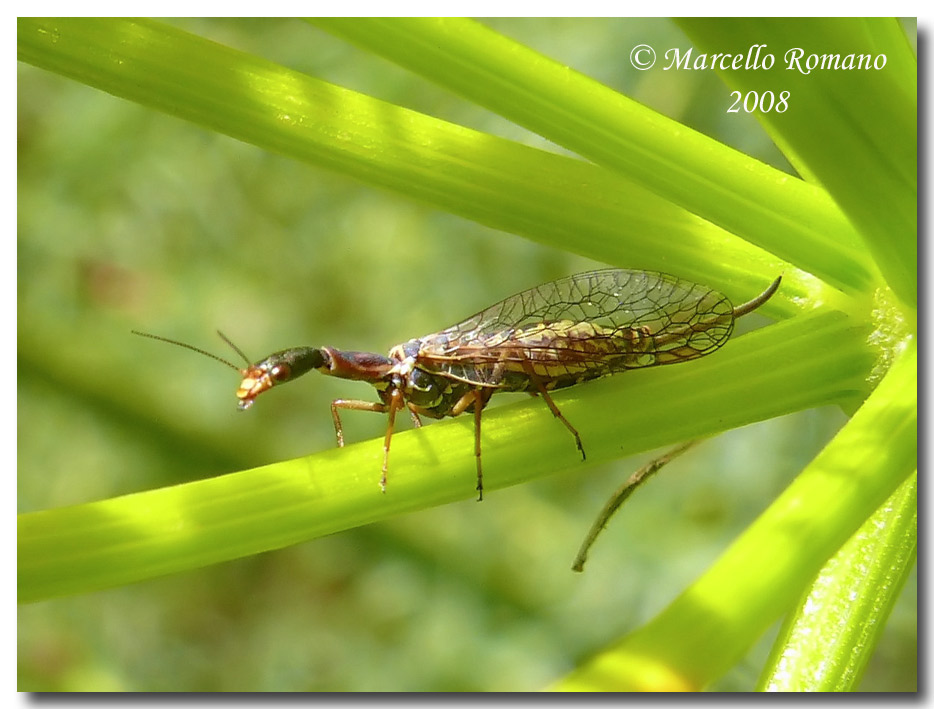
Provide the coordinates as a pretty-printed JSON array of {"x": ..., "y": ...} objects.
[
  {"x": 355, "y": 404},
  {"x": 396, "y": 402}
]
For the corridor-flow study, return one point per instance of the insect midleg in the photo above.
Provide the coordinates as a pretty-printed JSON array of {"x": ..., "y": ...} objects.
[
  {"x": 479, "y": 398},
  {"x": 554, "y": 407},
  {"x": 355, "y": 404}
]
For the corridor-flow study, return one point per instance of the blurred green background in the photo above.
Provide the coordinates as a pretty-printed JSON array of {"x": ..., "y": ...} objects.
[{"x": 131, "y": 219}]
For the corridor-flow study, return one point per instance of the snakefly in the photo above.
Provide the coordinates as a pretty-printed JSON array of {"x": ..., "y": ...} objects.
[{"x": 550, "y": 337}]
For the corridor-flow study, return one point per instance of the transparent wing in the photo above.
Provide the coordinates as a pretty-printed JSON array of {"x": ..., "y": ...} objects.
[{"x": 582, "y": 327}]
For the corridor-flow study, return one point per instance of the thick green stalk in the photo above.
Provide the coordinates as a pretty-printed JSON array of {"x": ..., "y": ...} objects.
[
  {"x": 763, "y": 374},
  {"x": 709, "y": 627},
  {"x": 830, "y": 637},
  {"x": 552, "y": 199},
  {"x": 864, "y": 153},
  {"x": 786, "y": 216}
]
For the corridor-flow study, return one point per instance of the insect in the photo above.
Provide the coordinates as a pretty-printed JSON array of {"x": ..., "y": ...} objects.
[{"x": 556, "y": 335}]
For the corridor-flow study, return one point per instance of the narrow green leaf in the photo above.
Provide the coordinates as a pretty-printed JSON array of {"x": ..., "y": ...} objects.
[
  {"x": 782, "y": 214},
  {"x": 864, "y": 152},
  {"x": 549, "y": 198},
  {"x": 828, "y": 640},
  {"x": 709, "y": 627},
  {"x": 763, "y": 374}
]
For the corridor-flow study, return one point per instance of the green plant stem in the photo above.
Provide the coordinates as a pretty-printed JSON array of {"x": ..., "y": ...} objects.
[
  {"x": 552, "y": 199},
  {"x": 784, "y": 215},
  {"x": 776, "y": 557},
  {"x": 829, "y": 638},
  {"x": 766, "y": 373},
  {"x": 847, "y": 137}
]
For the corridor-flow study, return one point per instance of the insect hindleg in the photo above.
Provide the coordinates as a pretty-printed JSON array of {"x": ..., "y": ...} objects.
[{"x": 555, "y": 410}]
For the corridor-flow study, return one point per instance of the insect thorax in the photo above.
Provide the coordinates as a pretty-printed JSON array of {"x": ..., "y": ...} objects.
[{"x": 432, "y": 393}]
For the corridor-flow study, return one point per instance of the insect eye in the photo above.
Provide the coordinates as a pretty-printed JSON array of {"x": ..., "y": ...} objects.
[{"x": 280, "y": 373}]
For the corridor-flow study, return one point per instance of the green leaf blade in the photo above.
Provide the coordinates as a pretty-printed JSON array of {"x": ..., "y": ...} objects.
[
  {"x": 830, "y": 637},
  {"x": 791, "y": 219},
  {"x": 764, "y": 374},
  {"x": 551, "y": 199},
  {"x": 863, "y": 153},
  {"x": 766, "y": 569}
]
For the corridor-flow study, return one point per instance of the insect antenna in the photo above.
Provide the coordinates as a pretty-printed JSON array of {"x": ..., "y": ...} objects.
[
  {"x": 198, "y": 349},
  {"x": 234, "y": 347}
]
